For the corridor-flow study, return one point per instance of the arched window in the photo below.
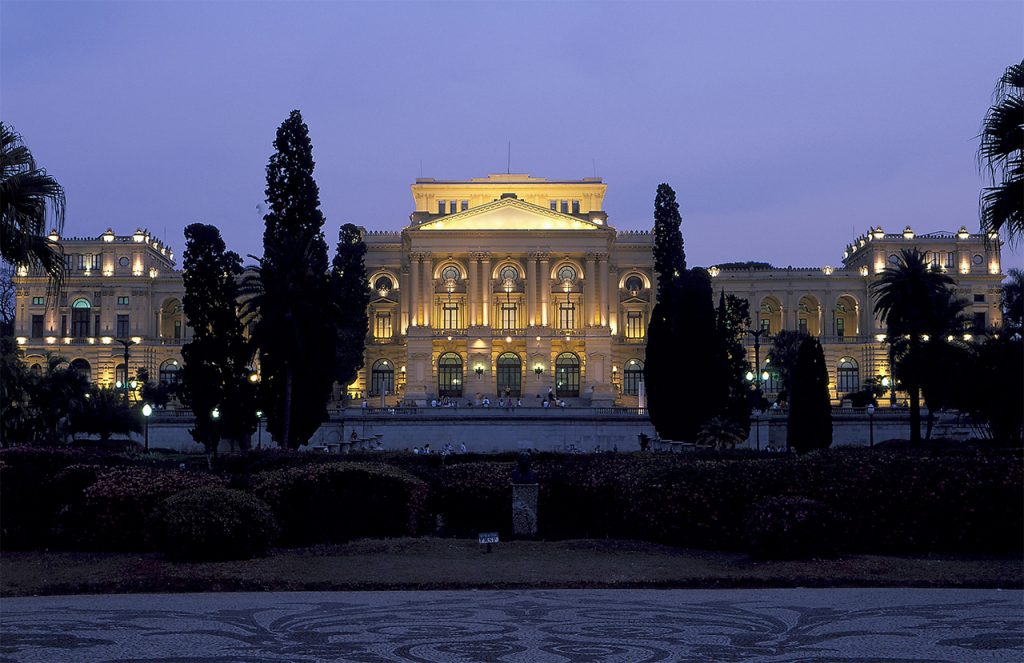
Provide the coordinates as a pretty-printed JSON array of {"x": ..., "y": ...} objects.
[
  {"x": 847, "y": 376},
  {"x": 450, "y": 272},
  {"x": 631, "y": 377},
  {"x": 509, "y": 273},
  {"x": 510, "y": 374},
  {"x": 449, "y": 375},
  {"x": 567, "y": 375},
  {"x": 83, "y": 368},
  {"x": 382, "y": 378},
  {"x": 634, "y": 284},
  {"x": 383, "y": 285},
  {"x": 80, "y": 309},
  {"x": 169, "y": 372},
  {"x": 566, "y": 273}
]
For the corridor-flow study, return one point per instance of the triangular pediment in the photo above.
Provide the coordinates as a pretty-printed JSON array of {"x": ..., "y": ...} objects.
[{"x": 508, "y": 214}]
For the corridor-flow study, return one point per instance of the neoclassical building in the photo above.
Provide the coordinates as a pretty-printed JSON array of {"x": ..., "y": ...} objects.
[{"x": 504, "y": 284}]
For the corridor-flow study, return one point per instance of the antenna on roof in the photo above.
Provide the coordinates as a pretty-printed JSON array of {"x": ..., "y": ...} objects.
[{"x": 508, "y": 162}]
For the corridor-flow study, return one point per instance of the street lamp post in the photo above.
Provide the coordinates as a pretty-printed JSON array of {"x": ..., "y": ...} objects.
[
  {"x": 147, "y": 411},
  {"x": 259, "y": 428},
  {"x": 871, "y": 425},
  {"x": 127, "y": 343},
  {"x": 757, "y": 427}
]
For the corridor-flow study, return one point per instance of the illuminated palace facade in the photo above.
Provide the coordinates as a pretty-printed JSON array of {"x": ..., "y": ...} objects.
[{"x": 505, "y": 284}]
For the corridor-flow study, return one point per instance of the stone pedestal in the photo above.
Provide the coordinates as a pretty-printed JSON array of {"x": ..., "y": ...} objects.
[{"x": 524, "y": 510}]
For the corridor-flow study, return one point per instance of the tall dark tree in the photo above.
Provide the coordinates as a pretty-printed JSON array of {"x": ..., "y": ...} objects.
[
  {"x": 216, "y": 370},
  {"x": 810, "y": 408},
  {"x": 1012, "y": 300},
  {"x": 290, "y": 296},
  {"x": 686, "y": 371},
  {"x": 907, "y": 296},
  {"x": 352, "y": 295},
  {"x": 29, "y": 198},
  {"x": 1000, "y": 157},
  {"x": 105, "y": 414},
  {"x": 782, "y": 356},
  {"x": 669, "y": 257},
  {"x": 732, "y": 320}
]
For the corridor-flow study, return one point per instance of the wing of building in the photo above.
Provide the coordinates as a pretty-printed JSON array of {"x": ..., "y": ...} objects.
[{"x": 504, "y": 285}]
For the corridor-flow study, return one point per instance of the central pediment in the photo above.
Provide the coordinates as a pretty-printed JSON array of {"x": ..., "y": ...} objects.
[{"x": 508, "y": 214}]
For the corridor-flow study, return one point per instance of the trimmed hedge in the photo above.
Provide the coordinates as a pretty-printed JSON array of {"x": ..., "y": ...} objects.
[
  {"x": 213, "y": 524},
  {"x": 792, "y": 528},
  {"x": 337, "y": 502},
  {"x": 115, "y": 511}
]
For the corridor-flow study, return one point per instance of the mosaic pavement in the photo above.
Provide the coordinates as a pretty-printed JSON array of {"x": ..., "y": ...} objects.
[{"x": 792, "y": 625}]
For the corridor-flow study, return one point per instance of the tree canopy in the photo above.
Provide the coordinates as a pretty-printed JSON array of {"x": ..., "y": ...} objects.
[{"x": 1000, "y": 157}]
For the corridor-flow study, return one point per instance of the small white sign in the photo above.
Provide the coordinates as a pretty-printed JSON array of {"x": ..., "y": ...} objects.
[{"x": 488, "y": 537}]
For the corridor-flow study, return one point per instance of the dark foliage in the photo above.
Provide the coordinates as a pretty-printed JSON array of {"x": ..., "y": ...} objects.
[
  {"x": 669, "y": 257},
  {"x": 782, "y": 356},
  {"x": 217, "y": 359},
  {"x": 290, "y": 294},
  {"x": 104, "y": 413},
  {"x": 337, "y": 502},
  {"x": 1001, "y": 159},
  {"x": 810, "y": 407},
  {"x": 1012, "y": 300},
  {"x": 792, "y": 528},
  {"x": 352, "y": 293},
  {"x": 731, "y": 322},
  {"x": 213, "y": 524}
]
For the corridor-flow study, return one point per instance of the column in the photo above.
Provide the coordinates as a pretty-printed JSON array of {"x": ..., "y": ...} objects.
[
  {"x": 403, "y": 301},
  {"x": 603, "y": 273},
  {"x": 485, "y": 285},
  {"x": 428, "y": 289},
  {"x": 531, "y": 290},
  {"x": 591, "y": 284},
  {"x": 471, "y": 292},
  {"x": 415, "y": 295},
  {"x": 613, "y": 304},
  {"x": 544, "y": 282}
]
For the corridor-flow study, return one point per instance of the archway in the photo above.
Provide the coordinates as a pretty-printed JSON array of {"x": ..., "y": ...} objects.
[
  {"x": 449, "y": 375},
  {"x": 382, "y": 378},
  {"x": 632, "y": 376},
  {"x": 510, "y": 376},
  {"x": 82, "y": 367},
  {"x": 567, "y": 375}
]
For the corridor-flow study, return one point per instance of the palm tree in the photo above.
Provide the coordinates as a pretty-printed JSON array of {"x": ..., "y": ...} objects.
[
  {"x": 909, "y": 298},
  {"x": 28, "y": 196},
  {"x": 999, "y": 155}
]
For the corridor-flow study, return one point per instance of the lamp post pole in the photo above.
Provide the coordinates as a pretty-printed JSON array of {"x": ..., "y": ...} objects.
[
  {"x": 127, "y": 343},
  {"x": 871, "y": 425},
  {"x": 147, "y": 411},
  {"x": 259, "y": 428}
]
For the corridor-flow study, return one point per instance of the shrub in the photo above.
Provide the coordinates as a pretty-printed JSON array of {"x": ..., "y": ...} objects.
[
  {"x": 337, "y": 502},
  {"x": 791, "y": 528},
  {"x": 474, "y": 498},
  {"x": 115, "y": 509},
  {"x": 213, "y": 524}
]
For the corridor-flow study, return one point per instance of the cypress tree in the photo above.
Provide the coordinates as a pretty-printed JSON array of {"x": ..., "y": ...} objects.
[
  {"x": 810, "y": 408},
  {"x": 669, "y": 257},
  {"x": 295, "y": 307},
  {"x": 216, "y": 360},
  {"x": 352, "y": 296}
]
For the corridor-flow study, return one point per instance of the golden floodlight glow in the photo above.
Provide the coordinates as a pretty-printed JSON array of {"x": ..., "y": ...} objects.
[
  {"x": 136, "y": 339},
  {"x": 22, "y": 340},
  {"x": 105, "y": 340},
  {"x": 714, "y": 271},
  {"x": 51, "y": 340}
]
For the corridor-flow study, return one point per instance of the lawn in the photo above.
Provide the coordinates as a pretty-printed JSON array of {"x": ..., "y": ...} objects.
[{"x": 433, "y": 563}]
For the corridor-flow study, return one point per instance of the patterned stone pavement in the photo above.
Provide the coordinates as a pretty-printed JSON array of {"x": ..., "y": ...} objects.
[{"x": 787, "y": 625}]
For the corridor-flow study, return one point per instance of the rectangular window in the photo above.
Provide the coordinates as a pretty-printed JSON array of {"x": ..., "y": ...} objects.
[
  {"x": 634, "y": 324},
  {"x": 802, "y": 325},
  {"x": 508, "y": 316},
  {"x": 382, "y": 325},
  {"x": 766, "y": 326},
  {"x": 79, "y": 322},
  {"x": 575, "y": 207},
  {"x": 567, "y": 316},
  {"x": 67, "y": 260},
  {"x": 949, "y": 260},
  {"x": 63, "y": 325},
  {"x": 450, "y": 316},
  {"x": 123, "y": 330},
  {"x": 565, "y": 207},
  {"x": 979, "y": 298},
  {"x": 452, "y": 206},
  {"x": 840, "y": 327},
  {"x": 464, "y": 205},
  {"x": 39, "y": 301},
  {"x": 177, "y": 330},
  {"x": 441, "y": 206},
  {"x": 554, "y": 205},
  {"x": 122, "y": 301},
  {"x": 37, "y": 326},
  {"x": 979, "y": 321},
  {"x": 81, "y": 260},
  {"x": 96, "y": 325},
  {"x": 96, "y": 261}
]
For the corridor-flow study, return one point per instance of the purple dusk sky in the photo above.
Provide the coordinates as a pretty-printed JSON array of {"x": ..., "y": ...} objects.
[{"x": 785, "y": 128}]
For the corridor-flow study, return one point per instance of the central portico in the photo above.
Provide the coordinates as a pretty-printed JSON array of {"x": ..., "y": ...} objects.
[{"x": 508, "y": 284}]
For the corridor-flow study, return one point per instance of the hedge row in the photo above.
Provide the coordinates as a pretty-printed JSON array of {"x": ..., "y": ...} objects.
[{"x": 841, "y": 500}]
